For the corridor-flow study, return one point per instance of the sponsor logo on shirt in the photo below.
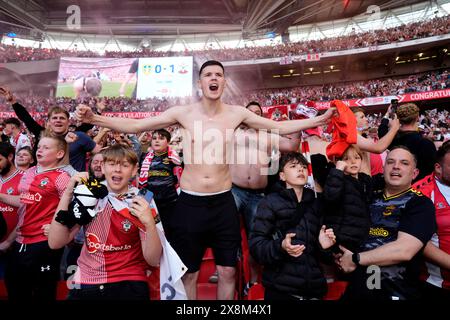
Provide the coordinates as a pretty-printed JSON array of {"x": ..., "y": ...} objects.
[
  {"x": 30, "y": 198},
  {"x": 158, "y": 173},
  {"x": 6, "y": 209},
  {"x": 93, "y": 244},
  {"x": 379, "y": 232}
]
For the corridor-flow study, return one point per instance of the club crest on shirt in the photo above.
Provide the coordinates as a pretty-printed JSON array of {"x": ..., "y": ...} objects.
[
  {"x": 126, "y": 225},
  {"x": 440, "y": 205},
  {"x": 388, "y": 210},
  {"x": 43, "y": 182},
  {"x": 10, "y": 190}
]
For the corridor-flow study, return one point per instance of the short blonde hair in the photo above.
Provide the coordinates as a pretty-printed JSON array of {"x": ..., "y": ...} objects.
[
  {"x": 61, "y": 144},
  {"x": 120, "y": 152},
  {"x": 351, "y": 147}
]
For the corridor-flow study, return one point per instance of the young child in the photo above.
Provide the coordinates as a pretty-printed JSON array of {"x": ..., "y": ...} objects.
[
  {"x": 161, "y": 172},
  {"x": 32, "y": 271},
  {"x": 287, "y": 236},
  {"x": 121, "y": 239},
  {"x": 347, "y": 194}
]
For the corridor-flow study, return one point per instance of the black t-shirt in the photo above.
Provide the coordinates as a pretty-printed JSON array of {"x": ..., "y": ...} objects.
[
  {"x": 408, "y": 212},
  {"x": 161, "y": 179},
  {"x": 422, "y": 148}
]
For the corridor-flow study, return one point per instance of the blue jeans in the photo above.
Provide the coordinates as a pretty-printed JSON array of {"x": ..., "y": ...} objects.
[{"x": 247, "y": 201}]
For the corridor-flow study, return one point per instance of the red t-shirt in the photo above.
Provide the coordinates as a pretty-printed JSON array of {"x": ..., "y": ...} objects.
[
  {"x": 112, "y": 250},
  {"x": 40, "y": 193},
  {"x": 10, "y": 186}
]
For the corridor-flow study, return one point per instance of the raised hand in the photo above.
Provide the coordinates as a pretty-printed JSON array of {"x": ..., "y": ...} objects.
[
  {"x": 70, "y": 137},
  {"x": 326, "y": 238},
  {"x": 294, "y": 250},
  {"x": 5, "y": 92},
  {"x": 140, "y": 208},
  {"x": 84, "y": 113},
  {"x": 341, "y": 165}
]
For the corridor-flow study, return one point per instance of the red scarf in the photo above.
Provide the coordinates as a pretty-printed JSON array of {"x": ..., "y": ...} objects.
[{"x": 343, "y": 128}]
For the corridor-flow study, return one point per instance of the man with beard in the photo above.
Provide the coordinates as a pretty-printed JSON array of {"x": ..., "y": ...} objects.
[
  {"x": 9, "y": 181},
  {"x": 95, "y": 166}
]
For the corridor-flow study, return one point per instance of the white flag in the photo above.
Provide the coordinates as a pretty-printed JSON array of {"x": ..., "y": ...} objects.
[{"x": 171, "y": 269}]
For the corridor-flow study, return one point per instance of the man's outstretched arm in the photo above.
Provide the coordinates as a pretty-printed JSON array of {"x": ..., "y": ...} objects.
[
  {"x": 381, "y": 145},
  {"x": 284, "y": 127},
  {"x": 126, "y": 125}
]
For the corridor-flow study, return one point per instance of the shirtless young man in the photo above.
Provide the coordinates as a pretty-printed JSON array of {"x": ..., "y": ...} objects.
[
  {"x": 250, "y": 177},
  {"x": 205, "y": 213}
]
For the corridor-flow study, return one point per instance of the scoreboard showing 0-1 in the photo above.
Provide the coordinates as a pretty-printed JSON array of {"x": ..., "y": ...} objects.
[{"x": 164, "y": 77}]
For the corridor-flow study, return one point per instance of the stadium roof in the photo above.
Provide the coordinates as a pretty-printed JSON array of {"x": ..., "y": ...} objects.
[{"x": 160, "y": 18}]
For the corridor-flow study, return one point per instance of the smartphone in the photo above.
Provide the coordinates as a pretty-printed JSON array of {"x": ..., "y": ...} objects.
[
  {"x": 146, "y": 194},
  {"x": 394, "y": 106}
]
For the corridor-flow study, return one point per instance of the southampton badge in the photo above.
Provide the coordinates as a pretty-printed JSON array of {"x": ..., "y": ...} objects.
[
  {"x": 126, "y": 225},
  {"x": 43, "y": 183}
]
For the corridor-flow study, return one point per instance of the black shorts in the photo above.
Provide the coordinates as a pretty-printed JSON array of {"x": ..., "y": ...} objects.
[
  {"x": 199, "y": 222},
  {"x": 32, "y": 272},
  {"x": 123, "y": 290}
]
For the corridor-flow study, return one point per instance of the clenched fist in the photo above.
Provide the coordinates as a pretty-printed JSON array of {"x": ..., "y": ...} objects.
[{"x": 84, "y": 113}]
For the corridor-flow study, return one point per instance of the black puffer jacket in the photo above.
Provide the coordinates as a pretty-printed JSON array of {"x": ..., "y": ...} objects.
[
  {"x": 346, "y": 208},
  {"x": 278, "y": 214}
]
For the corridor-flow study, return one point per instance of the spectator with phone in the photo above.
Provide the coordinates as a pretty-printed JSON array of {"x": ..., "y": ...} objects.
[
  {"x": 120, "y": 239},
  {"x": 287, "y": 236},
  {"x": 408, "y": 135}
]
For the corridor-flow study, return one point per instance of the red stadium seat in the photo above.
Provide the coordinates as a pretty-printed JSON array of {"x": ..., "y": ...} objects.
[
  {"x": 3, "y": 291},
  {"x": 335, "y": 290},
  {"x": 256, "y": 292},
  {"x": 62, "y": 290},
  {"x": 153, "y": 284},
  {"x": 206, "y": 291},
  {"x": 207, "y": 268}
]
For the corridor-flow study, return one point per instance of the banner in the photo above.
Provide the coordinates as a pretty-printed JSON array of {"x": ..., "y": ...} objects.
[{"x": 321, "y": 105}]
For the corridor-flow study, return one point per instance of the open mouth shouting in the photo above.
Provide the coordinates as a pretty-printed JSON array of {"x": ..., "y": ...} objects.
[{"x": 214, "y": 87}]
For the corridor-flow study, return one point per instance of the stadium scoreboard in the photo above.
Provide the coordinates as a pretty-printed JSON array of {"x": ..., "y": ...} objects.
[{"x": 165, "y": 77}]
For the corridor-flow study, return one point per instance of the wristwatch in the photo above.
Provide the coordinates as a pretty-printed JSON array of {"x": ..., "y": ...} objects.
[{"x": 355, "y": 258}]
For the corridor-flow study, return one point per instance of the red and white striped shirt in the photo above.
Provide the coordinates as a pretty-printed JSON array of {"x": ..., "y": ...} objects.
[
  {"x": 440, "y": 195},
  {"x": 39, "y": 196},
  {"x": 10, "y": 186},
  {"x": 112, "y": 250}
]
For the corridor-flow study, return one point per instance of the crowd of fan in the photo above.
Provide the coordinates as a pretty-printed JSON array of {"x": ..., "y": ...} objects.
[
  {"x": 405, "y": 32},
  {"x": 373, "y": 88}
]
